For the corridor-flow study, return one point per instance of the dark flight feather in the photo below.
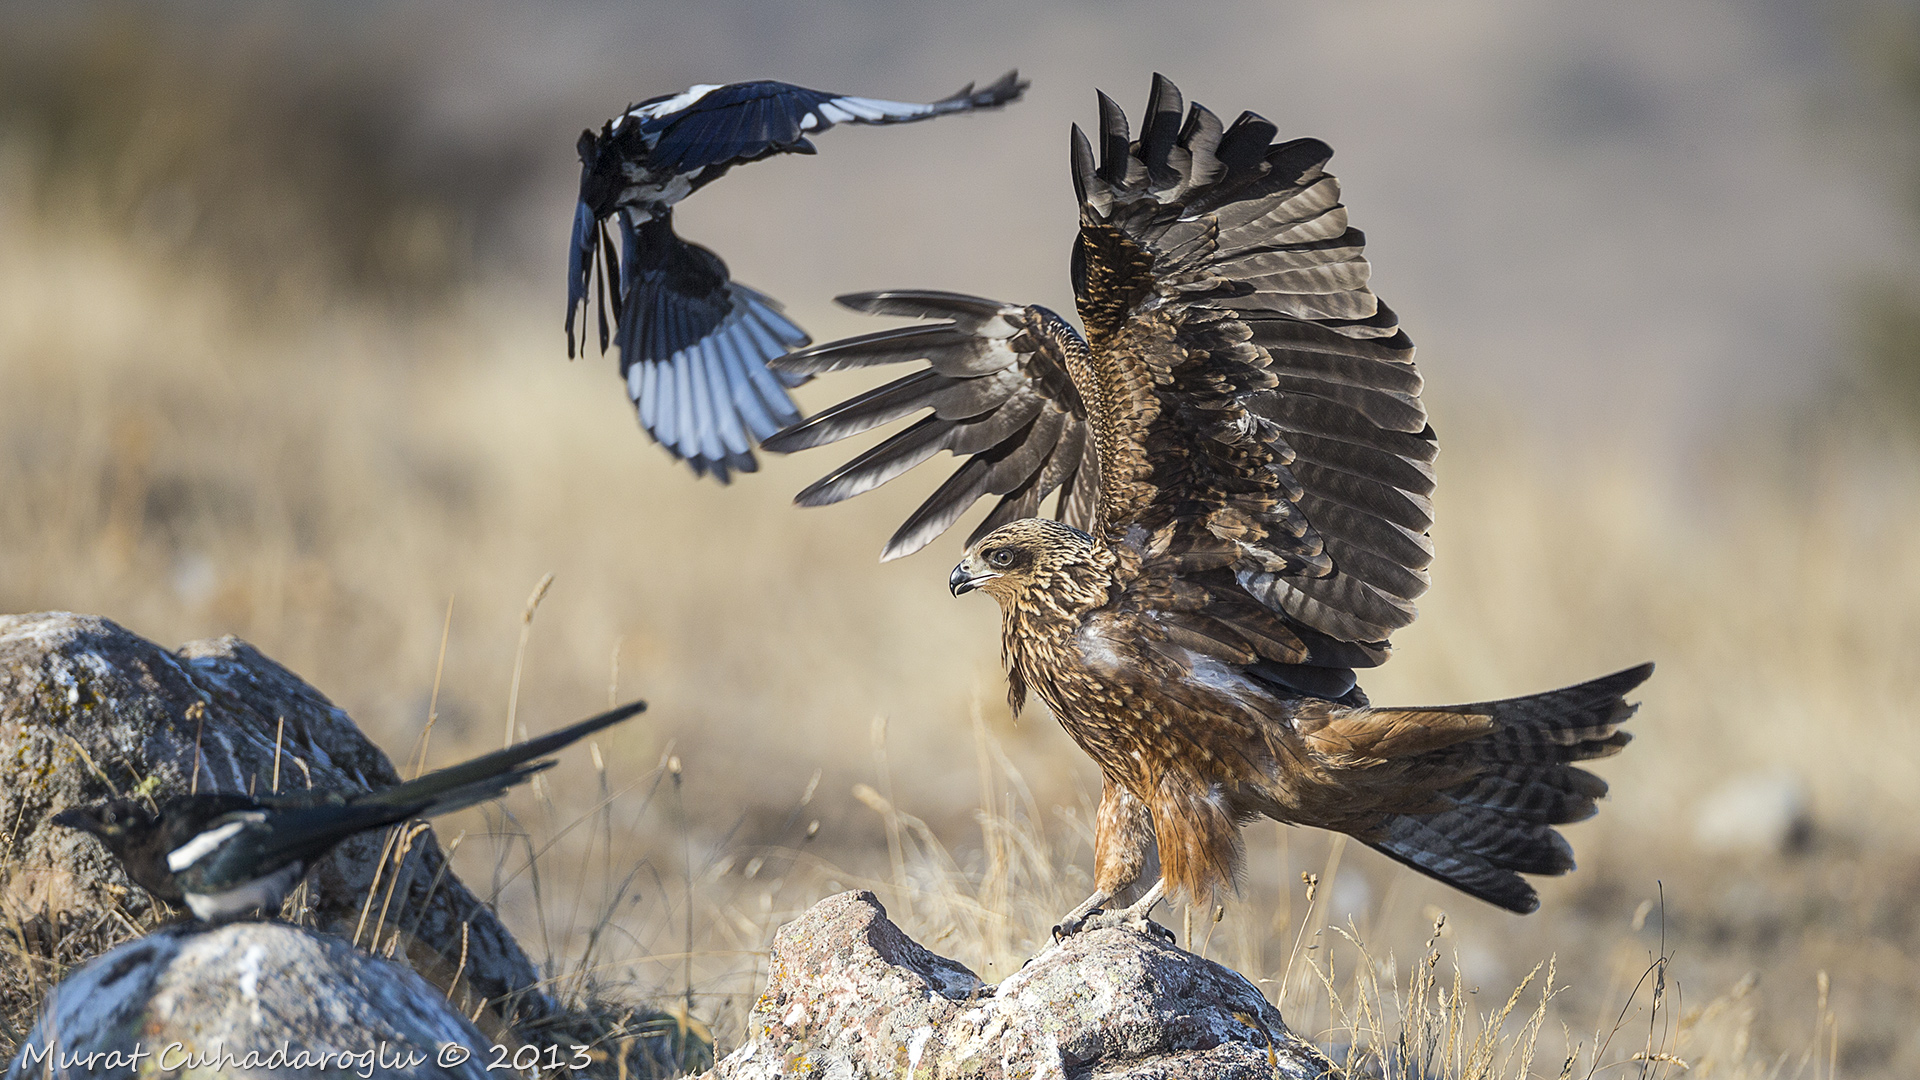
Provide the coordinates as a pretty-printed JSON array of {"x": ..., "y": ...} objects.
[{"x": 998, "y": 385}]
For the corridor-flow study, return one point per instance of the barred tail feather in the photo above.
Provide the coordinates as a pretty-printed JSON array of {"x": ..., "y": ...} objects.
[
  {"x": 1501, "y": 822},
  {"x": 1571, "y": 724},
  {"x": 1469, "y": 854}
]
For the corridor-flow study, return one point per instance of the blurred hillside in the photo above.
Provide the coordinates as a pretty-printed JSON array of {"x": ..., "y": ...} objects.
[{"x": 280, "y": 356}]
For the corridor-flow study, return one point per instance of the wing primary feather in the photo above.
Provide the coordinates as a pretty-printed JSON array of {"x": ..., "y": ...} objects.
[
  {"x": 1333, "y": 420},
  {"x": 1027, "y": 452},
  {"x": 980, "y": 474},
  {"x": 1243, "y": 149},
  {"x": 731, "y": 389},
  {"x": 1201, "y": 138},
  {"x": 748, "y": 394},
  {"x": 648, "y": 396},
  {"x": 1403, "y": 508},
  {"x": 1093, "y": 193},
  {"x": 767, "y": 385},
  {"x": 686, "y": 422},
  {"x": 880, "y": 464},
  {"x": 1113, "y": 141},
  {"x": 1406, "y": 474},
  {"x": 926, "y": 304},
  {"x": 1387, "y": 409},
  {"x": 1160, "y": 131},
  {"x": 706, "y": 425},
  {"x": 1384, "y": 574},
  {"x": 863, "y": 412},
  {"x": 1409, "y": 547},
  {"x": 666, "y": 418},
  {"x": 1024, "y": 500},
  {"x": 949, "y": 349},
  {"x": 975, "y": 435}
]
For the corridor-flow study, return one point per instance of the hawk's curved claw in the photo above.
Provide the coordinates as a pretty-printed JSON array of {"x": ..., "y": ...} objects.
[
  {"x": 1133, "y": 917},
  {"x": 1127, "y": 918},
  {"x": 1073, "y": 924},
  {"x": 1091, "y": 915}
]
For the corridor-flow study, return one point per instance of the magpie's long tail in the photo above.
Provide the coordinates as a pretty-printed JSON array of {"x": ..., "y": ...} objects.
[
  {"x": 488, "y": 776},
  {"x": 848, "y": 109},
  {"x": 1501, "y": 823}
]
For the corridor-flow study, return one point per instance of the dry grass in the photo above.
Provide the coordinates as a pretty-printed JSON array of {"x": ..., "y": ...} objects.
[
  {"x": 991, "y": 902},
  {"x": 326, "y": 481}
]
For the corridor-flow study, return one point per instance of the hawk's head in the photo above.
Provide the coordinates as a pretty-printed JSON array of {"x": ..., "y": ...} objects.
[{"x": 1018, "y": 557}]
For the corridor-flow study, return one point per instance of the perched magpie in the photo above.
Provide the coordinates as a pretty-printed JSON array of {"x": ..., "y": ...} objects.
[
  {"x": 694, "y": 345},
  {"x": 225, "y": 855}
]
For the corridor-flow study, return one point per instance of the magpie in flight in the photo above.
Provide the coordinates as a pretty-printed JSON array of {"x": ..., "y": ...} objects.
[
  {"x": 226, "y": 855},
  {"x": 694, "y": 345}
]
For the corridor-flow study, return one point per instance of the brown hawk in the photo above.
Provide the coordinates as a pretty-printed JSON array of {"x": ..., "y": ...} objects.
[{"x": 1242, "y": 469}]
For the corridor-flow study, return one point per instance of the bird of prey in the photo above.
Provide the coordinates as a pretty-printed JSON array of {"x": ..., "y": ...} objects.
[
  {"x": 694, "y": 344},
  {"x": 1242, "y": 469},
  {"x": 225, "y": 855}
]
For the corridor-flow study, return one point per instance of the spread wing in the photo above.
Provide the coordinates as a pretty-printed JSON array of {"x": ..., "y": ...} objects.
[
  {"x": 729, "y": 125},
  {"x": 694, "y": 346},
  {"x": 1257, "y": 407},
  {"x": 997, "y": 386},
  {"x": 1264, "y": 460}
]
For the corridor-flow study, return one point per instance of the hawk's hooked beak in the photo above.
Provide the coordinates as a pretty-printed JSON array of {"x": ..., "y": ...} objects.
[{"x": 960, "y": 581}]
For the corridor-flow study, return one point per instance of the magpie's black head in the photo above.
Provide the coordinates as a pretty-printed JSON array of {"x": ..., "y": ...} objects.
[
  {"x": 120, "y": 823},
  {"x": 600, "y": 177}
]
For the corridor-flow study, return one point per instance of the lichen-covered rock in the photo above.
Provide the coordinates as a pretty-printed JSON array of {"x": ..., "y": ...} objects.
[
  {"x": 850, "y": 996},
  {"x": 248, "y": 1000},
  {"x": 89, "y": 710}
]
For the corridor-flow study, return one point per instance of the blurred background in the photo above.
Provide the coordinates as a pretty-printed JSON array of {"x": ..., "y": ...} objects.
[{"x": 281, "y": 293}]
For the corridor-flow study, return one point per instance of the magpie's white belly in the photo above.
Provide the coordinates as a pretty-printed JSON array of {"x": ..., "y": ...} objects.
[
  {"x": 651, "y": 194},
  {"x": 260, "y": 894}
]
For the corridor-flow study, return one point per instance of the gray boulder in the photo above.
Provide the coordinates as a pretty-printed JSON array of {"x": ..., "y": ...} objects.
[
  {"x": 851, "y": 996},
  {"x": 89, "y": 710},
  {"x": 248, "y": 1000}
]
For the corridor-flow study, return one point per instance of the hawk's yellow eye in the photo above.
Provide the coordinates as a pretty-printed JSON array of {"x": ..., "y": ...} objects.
[{"x": 1002, "y": 557}]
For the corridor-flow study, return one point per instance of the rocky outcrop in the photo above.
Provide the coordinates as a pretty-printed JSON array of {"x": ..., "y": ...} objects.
[
  {"x": 850, "y": 996},
  {"x": 89, "y": 711},
  {"x": 248, "y": 1000}
]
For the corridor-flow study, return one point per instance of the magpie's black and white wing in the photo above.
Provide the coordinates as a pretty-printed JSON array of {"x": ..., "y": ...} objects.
[
  {"x": 694, "y": 345},
  {"x": 710, "y": 126}
]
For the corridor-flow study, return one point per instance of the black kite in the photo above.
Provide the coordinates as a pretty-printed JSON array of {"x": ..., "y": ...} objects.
[{"x": 1242, "y": 466}]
